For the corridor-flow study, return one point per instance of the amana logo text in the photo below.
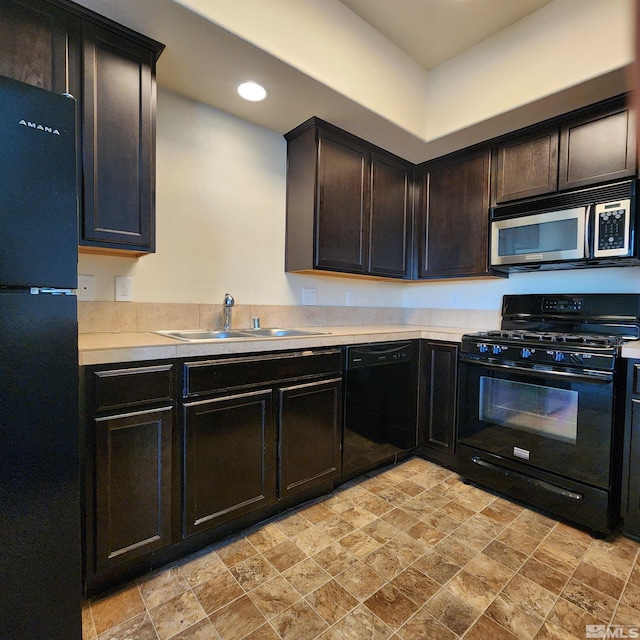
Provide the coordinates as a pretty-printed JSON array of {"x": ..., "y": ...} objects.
[{"x": 39, "y": 127}]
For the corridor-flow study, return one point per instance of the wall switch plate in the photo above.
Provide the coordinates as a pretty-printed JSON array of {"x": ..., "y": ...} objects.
[
  {"x": 308, "y": 296},
  {"x": 124, "y": 289},
  {"x": 86, "y": 288},
  {"x": 351, "y": 299}
]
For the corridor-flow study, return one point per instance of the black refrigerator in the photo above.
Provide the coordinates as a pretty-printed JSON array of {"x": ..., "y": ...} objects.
[{"x": 40, "y": 557}]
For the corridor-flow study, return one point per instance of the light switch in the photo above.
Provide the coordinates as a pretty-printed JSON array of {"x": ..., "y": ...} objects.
[{"x": 86, "y": 288}]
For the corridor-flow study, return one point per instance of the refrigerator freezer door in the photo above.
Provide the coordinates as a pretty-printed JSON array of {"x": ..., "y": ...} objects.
[
  {"x": 38, "y": 204},
  {"x": 40, "y": 549}
]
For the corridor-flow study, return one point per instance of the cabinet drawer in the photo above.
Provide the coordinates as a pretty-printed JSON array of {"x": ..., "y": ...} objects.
[
  {"x": 213, "y": 375},
  {"x": 121, "y": 388}
]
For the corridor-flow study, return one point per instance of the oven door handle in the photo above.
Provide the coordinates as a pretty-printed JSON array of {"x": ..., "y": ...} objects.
[{"x": 586, "y": 374}]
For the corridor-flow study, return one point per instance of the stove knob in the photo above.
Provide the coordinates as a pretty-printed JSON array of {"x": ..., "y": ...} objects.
[
  {"x": 525, "y": 353},
  {"x": 482, "y": 348},
  {"x": 558, "y": 356},
  {"x": 496, "y": 349}
]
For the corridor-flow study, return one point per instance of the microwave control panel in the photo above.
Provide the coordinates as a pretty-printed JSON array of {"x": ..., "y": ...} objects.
[{"x": 612, "y": 229}]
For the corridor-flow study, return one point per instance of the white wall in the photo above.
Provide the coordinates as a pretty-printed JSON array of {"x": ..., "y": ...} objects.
[
  {"x": 487, "y": 294},
  {"x": 221, "y": 185}
]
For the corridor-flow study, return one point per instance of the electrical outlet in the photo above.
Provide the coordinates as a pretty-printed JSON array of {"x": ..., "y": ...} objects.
[
  {"x": 308, "y": 296},
  {"x": 86, "y": 288},
  {"x": 124, "y": 289},
  {"x": 351, "y": 299}
]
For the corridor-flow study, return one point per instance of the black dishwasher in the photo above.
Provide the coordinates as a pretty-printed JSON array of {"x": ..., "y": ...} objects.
[{"x": 381, "y": 397}]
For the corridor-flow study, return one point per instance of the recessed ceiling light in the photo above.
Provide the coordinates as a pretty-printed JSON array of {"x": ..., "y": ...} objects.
[{"x": 252, "y": 91}]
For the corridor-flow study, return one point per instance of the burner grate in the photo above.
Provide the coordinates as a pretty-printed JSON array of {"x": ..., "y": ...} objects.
[{"x": 578, "y": 339}]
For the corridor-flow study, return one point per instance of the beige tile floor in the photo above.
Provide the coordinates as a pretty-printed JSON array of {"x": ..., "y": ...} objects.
[{"x": 411, "y": 553}]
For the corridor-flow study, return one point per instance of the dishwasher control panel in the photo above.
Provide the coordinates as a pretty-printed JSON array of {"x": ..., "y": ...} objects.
[{"x": 377, "y": 354}]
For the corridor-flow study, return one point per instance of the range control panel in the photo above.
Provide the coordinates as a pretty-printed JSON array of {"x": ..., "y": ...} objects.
[
  {"x": 612, "y": 229},
  {"x": 562, "y": 305}
]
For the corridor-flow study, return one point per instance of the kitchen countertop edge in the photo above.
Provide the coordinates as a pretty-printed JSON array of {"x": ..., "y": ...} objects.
[{"x": 110, "y": 348}]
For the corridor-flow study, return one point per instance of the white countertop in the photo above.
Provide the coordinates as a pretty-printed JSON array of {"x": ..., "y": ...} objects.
[{"x": 108, "y": 348}]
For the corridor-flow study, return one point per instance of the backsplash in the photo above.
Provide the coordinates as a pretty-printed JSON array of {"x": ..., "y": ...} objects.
[{"x": 117, "y": 317}]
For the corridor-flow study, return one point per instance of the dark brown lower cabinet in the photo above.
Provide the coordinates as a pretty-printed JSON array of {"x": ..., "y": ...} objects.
[
  {"x": 309, "y": 426},
  {"x": 229, "y": 458},
  {"x": 438, "y": 400},
  {"x": 257, "y": 435},
  {"x": 631, "y": 458},
  {"x": 133, "y": 485},
  {"x": 128, "y": 466}
]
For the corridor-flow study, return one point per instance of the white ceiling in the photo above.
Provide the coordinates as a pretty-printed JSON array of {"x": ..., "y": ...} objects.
[
  {"x": 203, "y": 61},
  {"x": 432, "y": 31}
]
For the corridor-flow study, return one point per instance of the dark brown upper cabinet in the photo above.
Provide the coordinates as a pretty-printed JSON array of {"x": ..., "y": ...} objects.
[
  {"x": 588, "y": 147},
  {"x": 343, "y": 192},
  {"x": 110, "y": 70},
  {"x": 597, "y": 146},
  {"x": 454, "y": 219},
  {"x": 33, "y": 44},
  {"x": 390, "y": 216},
  {"x": 349, "y": 204},
  {"x": 527, "y": 165},
  {"x": 118, "y": 142}
]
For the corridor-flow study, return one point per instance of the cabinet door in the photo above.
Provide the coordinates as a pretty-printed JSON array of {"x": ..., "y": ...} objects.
[
  {"x": 597, "y": 148},
  {"x": 132, "y": 485},
  {"x": 455, "y": 217},
  {"x": 439, "y": 373},
  {"x": 527, "y": 166},
  {"x": 33, "y": 44},
  {"x": 342, "y": 195},
  {"x": 310, "y": 421},
  {"x": 118, "y": 158},
  {"x": 390, "y": 216},
  {"x": 229, "y": 458}
]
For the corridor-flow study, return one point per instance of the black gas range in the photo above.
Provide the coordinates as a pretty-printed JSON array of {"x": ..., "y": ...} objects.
[
  {"x": 563, "y": 331},
  {"x": 540, "y": 403}
]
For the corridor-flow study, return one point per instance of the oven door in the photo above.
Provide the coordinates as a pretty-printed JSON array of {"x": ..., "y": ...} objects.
[{"x": 557, "y": 421}]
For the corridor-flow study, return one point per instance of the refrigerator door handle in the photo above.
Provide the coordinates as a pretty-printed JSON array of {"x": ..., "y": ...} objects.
[{"x": 51, "y": 291}]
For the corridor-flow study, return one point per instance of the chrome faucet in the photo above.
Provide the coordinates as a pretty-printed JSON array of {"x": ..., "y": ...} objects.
[{"x": 228, "y": 303}]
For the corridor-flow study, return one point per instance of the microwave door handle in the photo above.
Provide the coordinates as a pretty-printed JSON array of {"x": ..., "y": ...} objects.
[{"x": 587, "y": 231}]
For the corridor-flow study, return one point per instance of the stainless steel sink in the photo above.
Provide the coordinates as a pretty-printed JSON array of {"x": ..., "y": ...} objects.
[
  {"x": 282, "y": 333},
  {"x": 192, "y": 335},
  {"x": 196, "y": 335}
]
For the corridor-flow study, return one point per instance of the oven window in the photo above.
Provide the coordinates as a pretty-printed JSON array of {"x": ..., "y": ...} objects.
[{"x": 547, "y": 411}]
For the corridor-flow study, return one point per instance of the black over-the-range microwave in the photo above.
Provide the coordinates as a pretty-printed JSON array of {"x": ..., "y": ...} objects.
[{"x": 584, "y": 228}]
